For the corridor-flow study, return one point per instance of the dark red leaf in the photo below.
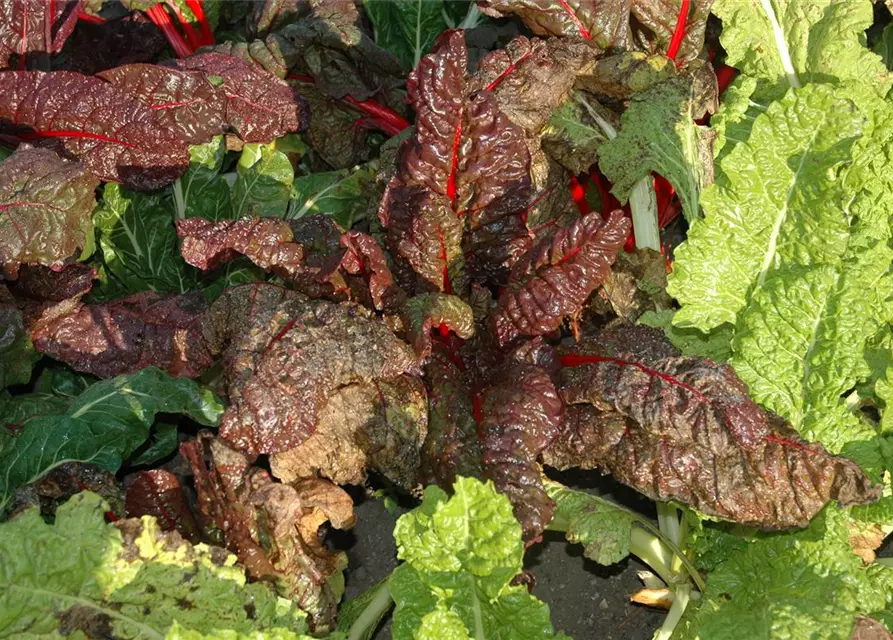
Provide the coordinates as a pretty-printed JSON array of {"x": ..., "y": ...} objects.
[
  {"x": 259, "y": 106},
  {"x": 267, "y": 242},
  {"x": 45, "y": 207},
  {"x": 465, "y": 161},
  {"x": 28, "y": 26},
  {"x": 452, "y": 447},
  {"x": 555, "y": 278},
  {"x": 158, "y": 493},
  {"x": 615, "y": 24},
  {"x": 45, "y": 284},
  {"x": 273, "y": 528},
  {"x": 124, "y": 336},
  {"x": 116, "y": 137},
  {"x": 283, "y": 354},
  {"x": 679, "y": 428},
  {"x": 364, "y": 258},
  {"x": 521, "y": 416},
  {"x": 184, "y": 102},
  {"x": 62, "y": 482}
]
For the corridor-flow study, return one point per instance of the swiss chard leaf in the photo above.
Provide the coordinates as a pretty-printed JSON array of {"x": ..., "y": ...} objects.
[
  {"x": 684, "y": 428},
  {"x": 202, "y": 192},
  {"x": 259, "y": 106},
  {"x": 28, "y": 26},
  {"x": 407, "y": 28},
  {"x": 125, "y": 335},
  {"x": 121, "y": 141},
  {"x": 460, "y": 555},
  {"x": 130, "y": 578},
  {"x": 263, "y": 185},
  {"x": 139, "y": 241},
  {"x": 103, "y": 425},
  {"x": 344, "y": 195},
  {"x": 555, "y": 278},
  {"x": 46, "y": 203},
  {"x": 17, "y": 355}
]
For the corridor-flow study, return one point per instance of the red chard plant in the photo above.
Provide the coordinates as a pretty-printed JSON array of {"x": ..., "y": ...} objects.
[{"x": 467, "y": 257}]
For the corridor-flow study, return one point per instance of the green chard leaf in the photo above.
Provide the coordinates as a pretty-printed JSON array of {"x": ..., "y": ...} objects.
[
  {"x": 130, "y": 580},
  {"x": 139, "y": 241},
  {"x": 348, "y": 196},
  {"x": 263, "y": 185},
  {"x": 658, "y": 133},
  {"x": 202, "y": 192},
  {"x": 103, "y": 425},
  {"x": 603, "y": 528},
  {"x": 786, "y": 44},
  {"x": 407, "y": 28},
  {"x": 576, "y": 132},
  {"x": 460, "y": 555},
  {"x": 716, "y": 345},
  {"x": 786, "y": 586}
]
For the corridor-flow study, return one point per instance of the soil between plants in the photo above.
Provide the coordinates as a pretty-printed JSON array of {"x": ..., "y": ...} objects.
[{"x": 587, "y": 601}]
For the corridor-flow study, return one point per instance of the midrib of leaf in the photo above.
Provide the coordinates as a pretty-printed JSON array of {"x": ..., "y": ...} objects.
[
  {"x": 131, "y": 235},
  {"x": 314, "y": 200},
  {"x": 476, "y": 604},
  {"x": 147, "y": 631},
  {"x": 418, "y": 33},
  {"x": 780, "y": 44},
  {"x": 117, "y": 391},
  {"x": 783, "y": 212}
]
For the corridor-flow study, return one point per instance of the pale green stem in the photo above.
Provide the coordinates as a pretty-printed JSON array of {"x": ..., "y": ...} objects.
[
  {"x": 681, "y": 597},
  {"x": 372, "y": 613}
]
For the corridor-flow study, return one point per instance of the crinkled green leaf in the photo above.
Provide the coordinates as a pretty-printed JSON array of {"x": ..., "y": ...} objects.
[
  {"x": 733, "y": 121},
  {"x": 263, "y": 183},
  {"x": 347, "y": 196},
  {"x": 788, "y": 43},
  {"x": 775, "y": 201},
  {"x": 139, "y": 241},
  {"x": 658, "y": 133},
  {"x": 102, "y": 426},
  {"x": 806, "y": 584},
  {"x": 202, "y": 192},
  {"x": 603, "y": 528},
  {"x": 461, "y": 554},
  {"x": 126, "y": 580},
  {"x": 716, "y": 345},
  {"x": 800, "y": 341}
]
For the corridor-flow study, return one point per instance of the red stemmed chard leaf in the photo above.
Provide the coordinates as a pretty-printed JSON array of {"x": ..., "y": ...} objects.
[
  {"x": 555, "y": 278},
  {"x": 28, "y": 26},
  {"x": 259, "y": 106},
  {"x": 273, "y": 528},
  {"x": 465, "y": 163},
  {"x": 124, "y": 336},
  {"x": 684, "y": 428},
  {"x": 116, "y": 137},
  {"x": 365, "y": 259},
  {"x": 428, "y": 311},
  {"x": 284, "y": 354},
  {"x": 43, "y": 284},
  {"x": 521, "y": 415},
  {"x": 45, "y": 207},
  {"x": 184, "y": 102},
  {"x": 615, "y": 24}
]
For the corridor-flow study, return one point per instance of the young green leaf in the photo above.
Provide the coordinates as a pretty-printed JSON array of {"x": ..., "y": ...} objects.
[
  {"x": 202, "y": 192},
  {"x": 263, "y": 185},
  {"x": 139, "y": 241},
  {"x": 102, "y": 426},
  {"x": 407, "y": 28},
  {"x": 345, "y": 195},
  {"x": 460, "y": 556}
]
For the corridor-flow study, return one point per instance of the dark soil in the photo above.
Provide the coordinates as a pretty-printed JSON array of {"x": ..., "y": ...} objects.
[{"x": 587, "y": 601}]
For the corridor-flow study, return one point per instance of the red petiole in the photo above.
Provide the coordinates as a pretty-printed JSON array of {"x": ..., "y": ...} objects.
[
  {"x": 162, "y": 20},
  {"x": 384, "y": 118}
]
